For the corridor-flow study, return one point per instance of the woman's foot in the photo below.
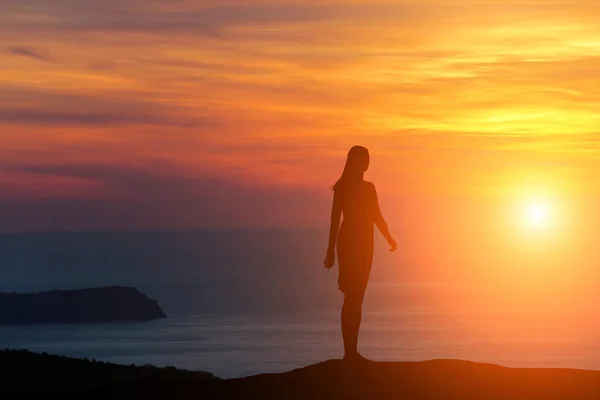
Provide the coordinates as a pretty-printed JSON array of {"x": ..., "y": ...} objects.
[{"x": 355, "y": 358}]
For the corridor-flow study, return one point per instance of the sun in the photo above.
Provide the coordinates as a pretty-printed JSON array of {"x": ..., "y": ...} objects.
[{"x": 537, "y": 215}]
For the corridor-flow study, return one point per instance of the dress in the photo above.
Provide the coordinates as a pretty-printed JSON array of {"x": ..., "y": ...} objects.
[{"x": 360, "y": 209}]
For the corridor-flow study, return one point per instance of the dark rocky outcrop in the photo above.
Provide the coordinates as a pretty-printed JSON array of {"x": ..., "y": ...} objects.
[
  {"x": 104, "y": 304},
  {"x": 35, "y": 375},
  {"x": 25, "y": 371},
  {"x": 427, "y": 380}
]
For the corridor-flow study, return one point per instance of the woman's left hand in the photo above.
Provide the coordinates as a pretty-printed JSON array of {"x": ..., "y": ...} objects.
[{"x": 392, "y": 244}]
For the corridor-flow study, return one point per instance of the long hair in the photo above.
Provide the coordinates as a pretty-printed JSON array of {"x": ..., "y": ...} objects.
[{"x": 357, "y": 163}]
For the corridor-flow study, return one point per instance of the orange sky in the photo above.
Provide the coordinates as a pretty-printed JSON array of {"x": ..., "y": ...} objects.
[{"x": 140, "y": 114}]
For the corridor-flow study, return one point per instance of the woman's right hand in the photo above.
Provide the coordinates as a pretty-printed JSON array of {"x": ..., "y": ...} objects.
[{"x": 329, "y": 259}]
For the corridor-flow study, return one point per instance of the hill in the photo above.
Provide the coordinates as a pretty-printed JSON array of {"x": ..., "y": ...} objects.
[{"x": 333, "y": 379}]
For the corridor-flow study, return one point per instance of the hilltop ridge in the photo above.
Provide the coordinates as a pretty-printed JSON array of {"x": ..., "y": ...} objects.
[{"x": 329, "y": 380}]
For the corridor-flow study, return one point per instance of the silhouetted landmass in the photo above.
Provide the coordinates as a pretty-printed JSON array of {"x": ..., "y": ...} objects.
[
  {"x": 334, "y": 379},
  {"x": 105, "y": 304},
  {"x": 437, "y": 379},
  {"x": 25, "y": 371}
]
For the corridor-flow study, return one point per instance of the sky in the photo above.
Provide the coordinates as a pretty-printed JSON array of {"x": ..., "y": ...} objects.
[{"x": 180, "y": 114}]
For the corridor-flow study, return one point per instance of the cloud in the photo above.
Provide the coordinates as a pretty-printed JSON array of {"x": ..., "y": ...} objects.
[
  {"x": 201, "y": 18},
  {"x": 26, "y": 52},
  {"x": 155, "y": 195},
  {"x": 66, "y": 118},
  {"x": 29, "y": 106}
]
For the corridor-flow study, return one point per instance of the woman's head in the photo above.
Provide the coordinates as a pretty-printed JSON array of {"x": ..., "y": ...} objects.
[
  {"x": 358, "y": 159},
  {"x": 357, "y": 162}
]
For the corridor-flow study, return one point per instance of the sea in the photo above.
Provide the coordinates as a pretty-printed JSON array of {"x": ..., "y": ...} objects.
[{"x": 245, "y": 302}]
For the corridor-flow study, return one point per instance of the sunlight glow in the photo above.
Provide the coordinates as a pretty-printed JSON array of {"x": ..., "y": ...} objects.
[{"x": 537, "y": 215}]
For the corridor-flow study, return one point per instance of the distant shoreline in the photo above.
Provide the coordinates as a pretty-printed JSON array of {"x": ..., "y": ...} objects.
[{"x": 83, "y": 305}]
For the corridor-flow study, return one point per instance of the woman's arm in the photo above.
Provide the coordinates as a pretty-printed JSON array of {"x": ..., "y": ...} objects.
[
  {"x": 381, "y": 224},
  {"x": 336, "y": 215}
]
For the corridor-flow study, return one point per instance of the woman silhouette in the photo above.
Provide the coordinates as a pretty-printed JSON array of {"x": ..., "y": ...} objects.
[{"x": 357, "y": 200}]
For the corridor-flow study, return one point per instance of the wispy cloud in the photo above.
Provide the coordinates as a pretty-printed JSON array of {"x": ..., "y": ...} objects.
[
  {"x": 26, "y": 52},
  {"x": 156, "y": 194}
]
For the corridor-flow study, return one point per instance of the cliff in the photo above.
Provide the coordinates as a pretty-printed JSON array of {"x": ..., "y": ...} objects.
[{"x": 105, "y": 304}]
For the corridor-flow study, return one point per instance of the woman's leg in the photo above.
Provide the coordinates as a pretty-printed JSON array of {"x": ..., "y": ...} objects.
[{"x": 351, "y": 318}]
